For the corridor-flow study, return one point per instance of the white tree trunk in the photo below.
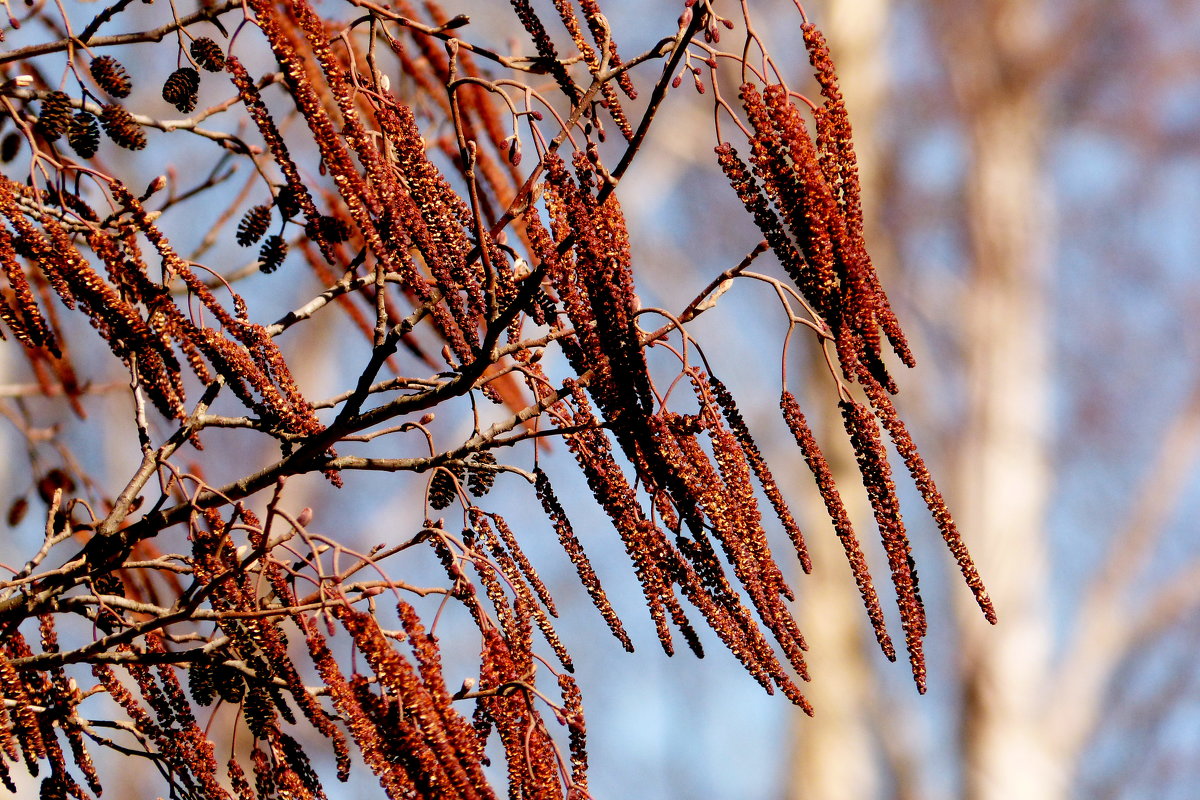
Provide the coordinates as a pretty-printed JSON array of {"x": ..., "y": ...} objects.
[{"x": 1002, "y": 481}]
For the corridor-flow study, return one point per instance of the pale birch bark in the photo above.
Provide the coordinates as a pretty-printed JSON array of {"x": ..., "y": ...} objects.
[
  {"x": 1002, "y": 479},
  {"x": 1027, "y": 719}
]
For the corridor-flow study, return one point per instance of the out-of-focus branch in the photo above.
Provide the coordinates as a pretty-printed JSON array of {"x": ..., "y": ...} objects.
[{"x": 1113, "y": 615}]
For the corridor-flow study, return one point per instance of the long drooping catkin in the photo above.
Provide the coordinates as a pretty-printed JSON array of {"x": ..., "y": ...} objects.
[
  {"x": 23, "y": 318},
  {"x": 762, "y": 471},
  {"x": 835, "y": 146},
  {"x": 837, "y": 514},
  {"x": 877, "y": 478},
  {"x": 574, "y": 550},
  {"x": 921, "y": 476},
  {"x": 295, "y": 187}
]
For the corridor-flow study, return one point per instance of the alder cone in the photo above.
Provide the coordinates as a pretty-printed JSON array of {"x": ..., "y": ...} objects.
[
  {"x": 228, "y": 683},
  {"x": 17, "y": 511},
  {"x": 253, "y": 225},
  {"x": 257, "y": 711},
  {"x": 52, "y": 481},
  {"x": 10, "y": 146},
  {"x": 442, "y": 489},
  {"x": 56, "y": 115},
  {"x": 181, "y": 88},
  {"x": 111, "y": 76},
  {"x": 208, "y": 54},
  {"x": 200, "y": 682},
  {"x": 480, "y": 481},
  {"x": 121, "y": 128},
  {"x": 109, "y": 584},
  {"x": 287, "y": 202},
  {"x": 272, "y": 253},
  {"x": 83, "y": 134},
  {"x": 327, "y": 229}
]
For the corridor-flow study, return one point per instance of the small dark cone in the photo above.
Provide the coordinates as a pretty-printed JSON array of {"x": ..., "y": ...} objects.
[
  {"x": 17, "y": 511},
  {"x": 442, "y": 490},
  {"x": 120, "y": 127},
  {"x": 181, "y": 88},
  {"x": 253, "y": 225},
  {"x": 480, "y": 481},
  {"x": 208, "y": 54},
  {"x": 287, "y": 202},
  {"x": 273, "y": 251},
  {"x": 200, "y": 682},
  {"x": 257, "y": 712},
  {"x": 111, "y": 76},
  {"x": 83, "y": 134},
  {"x": 109, "y": 584},
  {"x": 55, "y": 117},
  {"x": 229, "y": 684}
]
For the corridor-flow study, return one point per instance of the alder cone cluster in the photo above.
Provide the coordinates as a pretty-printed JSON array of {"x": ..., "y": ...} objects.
[{"x": 446, "y": 258}]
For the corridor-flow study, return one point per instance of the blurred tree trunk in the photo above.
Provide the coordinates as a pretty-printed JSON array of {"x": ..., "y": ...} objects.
[{"x": 1003, "y": 474}]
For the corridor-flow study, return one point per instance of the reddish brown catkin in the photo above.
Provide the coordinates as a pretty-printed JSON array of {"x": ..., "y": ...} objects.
[
  {"x": 525, "y": 601},
  {"x": 602, "y": 35},
  {"x": 836, "y": 509},
  {"x": 921, "y": 476},
  {"x": 574, "y": 550},
  {"x": 25, "y": 320},
  {"x": 795, "y": 188},
  {"x": 25, "y": 722},
  {"x": 842, "y": 166},
  {"x": 577, "y": 726},
  {"x": 762, "y": 472},
  {"x": 427, "y": 714},
  {"x": 877, "y": 478}
]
